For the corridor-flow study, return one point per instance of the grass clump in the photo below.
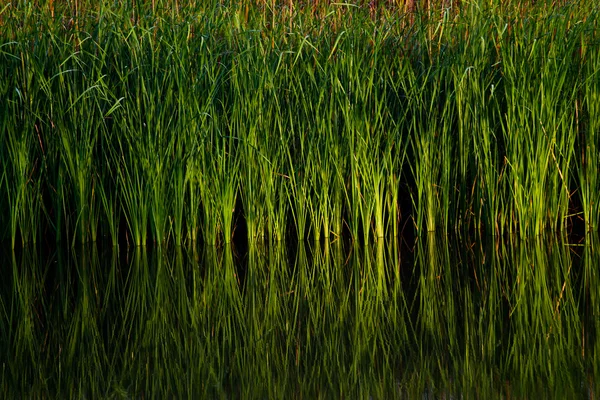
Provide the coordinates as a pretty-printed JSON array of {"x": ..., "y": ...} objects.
[{"x": 315, "y": 119}]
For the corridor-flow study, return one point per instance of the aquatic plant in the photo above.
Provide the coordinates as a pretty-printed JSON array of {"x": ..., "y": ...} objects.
[{"x": 172, "y": 124}]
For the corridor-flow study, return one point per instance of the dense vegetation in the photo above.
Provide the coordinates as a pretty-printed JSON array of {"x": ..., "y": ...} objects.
[{"x": 182, "y": 121}]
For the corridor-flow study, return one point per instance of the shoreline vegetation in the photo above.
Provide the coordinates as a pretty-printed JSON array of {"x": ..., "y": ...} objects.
[{"x": 185, "y": 121}]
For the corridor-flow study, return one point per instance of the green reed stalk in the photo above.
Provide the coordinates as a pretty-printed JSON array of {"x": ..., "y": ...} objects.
[
  {"x": 252, "y": 110},
  {"x": 134, "y": 195},
  {"x": 396, "y": 145},
  {"x": 539, "y": 124},
  {"x": 21, "y": 130},
  {"x": 212, "y": 176},
  {"x": 108, "y": 193},
  {"x": 299, "y": 116},
  {"x": 276, "y": 197},
  {"x": 334, "y": 148},
  {"x": 298, "y": 186},
  {"x": 23, "y": 189},
  {"x": 108, "y": 182},
  {"x": 193, "y": 195},
  {"x": 211, "y": 167},
  {"x": 353, "y": 188},
  {"x": 393, "y": 163},
  {"x": 589, "y": 128},
  {"x": 197, "y": 172},
  {"x": 476, "y": 81},
  {"x": 329, "y": 158},
  {"x": 312, "y": 166},
  {"x": 245, "y": 120},
  {"x": 366, "y": 126},
  {"x": 150, "y": 132},
  {"x": 177, "y": 186},
  {"x": 432, "y": 149},
  {"x": 4, "y": 164},
  {"x": 318, "y": 194},
  {"x": 272, "y": 158},
  {"x": 228, "y": 178},
  {"x": 78, "y": 118},
  {"x": 194, "y": 180},
  {"x": 159, "y": 158}
]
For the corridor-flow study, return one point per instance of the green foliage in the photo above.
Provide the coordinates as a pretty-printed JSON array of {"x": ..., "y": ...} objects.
[{"x": 177, "y": 123}]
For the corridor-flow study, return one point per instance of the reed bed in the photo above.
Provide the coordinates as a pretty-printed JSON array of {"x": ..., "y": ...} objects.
[{"x": 147, "y": 122}]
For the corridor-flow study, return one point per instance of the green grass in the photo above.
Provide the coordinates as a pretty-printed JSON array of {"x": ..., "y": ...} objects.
[
  {"x": 22, "y": 155},
  {"x": 538, "y": 128},
  {"x": 313, "y": 119},
  {"x": 588, "y": 124}
]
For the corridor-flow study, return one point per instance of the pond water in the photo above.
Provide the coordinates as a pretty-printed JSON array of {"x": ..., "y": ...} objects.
[{"x": 436, "y": 318}]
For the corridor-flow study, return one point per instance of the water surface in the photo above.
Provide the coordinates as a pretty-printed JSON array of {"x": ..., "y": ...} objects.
[{"x": 438, "y": 318}]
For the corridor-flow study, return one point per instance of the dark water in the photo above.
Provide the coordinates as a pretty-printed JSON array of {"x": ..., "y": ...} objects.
[{"x": 435, "y": 319}]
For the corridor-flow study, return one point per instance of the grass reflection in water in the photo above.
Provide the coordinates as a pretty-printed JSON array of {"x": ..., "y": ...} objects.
[{"x": 318, "y": 321}]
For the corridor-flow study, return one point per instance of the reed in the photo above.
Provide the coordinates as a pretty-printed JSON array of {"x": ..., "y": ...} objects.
[
  {"x": 205, "y": 154},
  {"x": 431, "y": 145},
  {"x": 477, "y": 89},
  {"x": 312, "y": 117},
  {"x": 318, "y": 165},
  {"x": 298, "y": 185},
  {"x": 22, "y": 154},
  {"x": 540, "y": 94},
  {"x": 588, "y": 125},
  {"x": 78, "y": 117},
  {"x": 226, "y": 186},
  {"x": 248, "y": 119}
]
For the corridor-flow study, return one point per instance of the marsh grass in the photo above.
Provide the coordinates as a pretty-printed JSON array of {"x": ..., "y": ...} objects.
[
  {"x": 476, "y": 80},
  {"x": 219, "y": 191},
  {"x": 589, "y": 137},
  {"x": 432, "y": 145},
  {"x": 314, "y": 118},
  {"x": 78, "y": 117},
  {"x": 539, "y": 121},
  {"x": 22, "y": 158}
]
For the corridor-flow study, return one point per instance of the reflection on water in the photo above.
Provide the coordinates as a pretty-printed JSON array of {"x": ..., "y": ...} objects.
[{"x": 322, "y": 320}]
